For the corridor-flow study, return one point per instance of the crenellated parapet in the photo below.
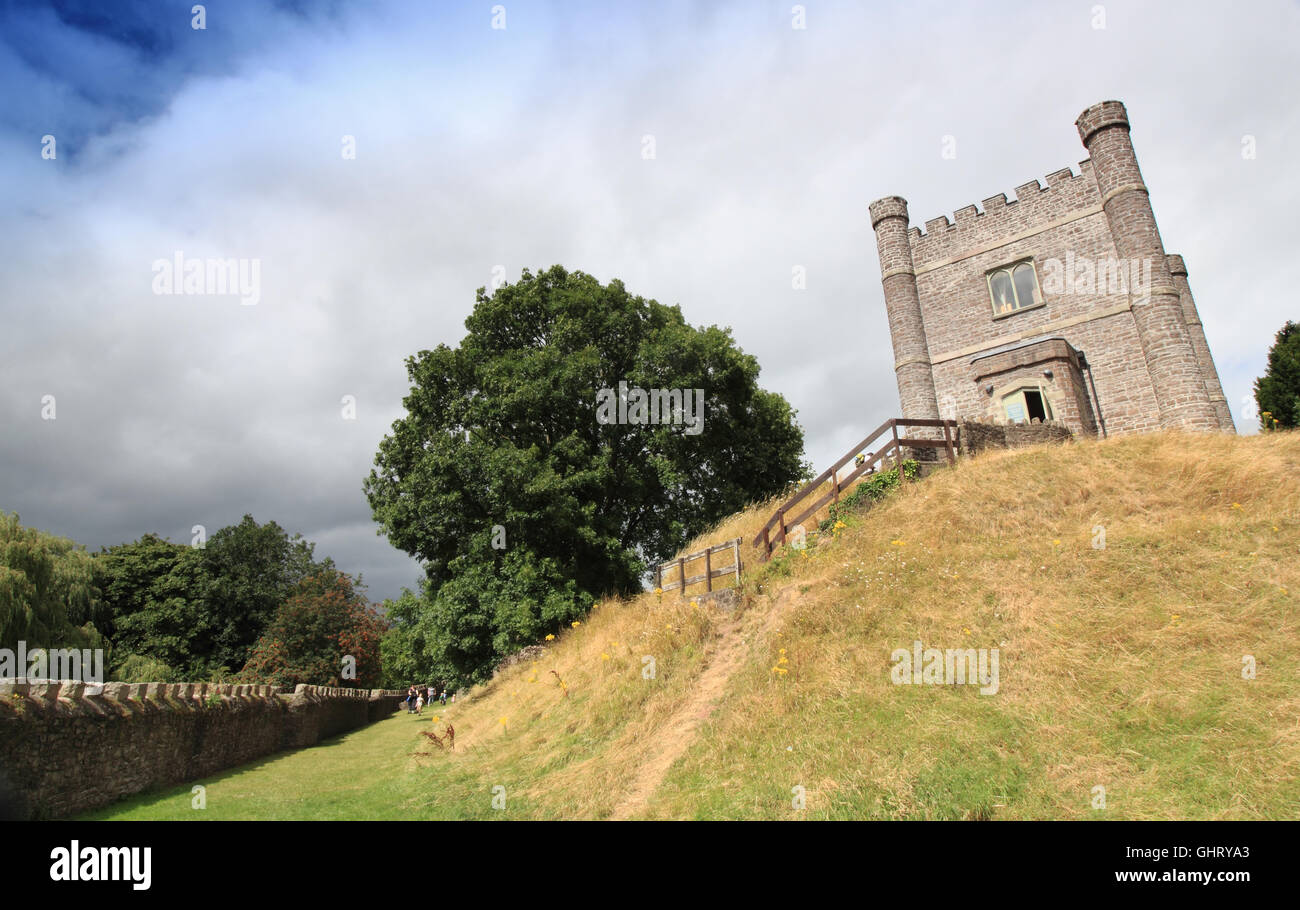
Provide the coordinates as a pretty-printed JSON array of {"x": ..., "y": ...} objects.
[{"x": 1066, "y": 197}]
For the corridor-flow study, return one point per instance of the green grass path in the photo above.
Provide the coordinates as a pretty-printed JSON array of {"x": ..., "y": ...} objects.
[{"x": 368, "y": 773}]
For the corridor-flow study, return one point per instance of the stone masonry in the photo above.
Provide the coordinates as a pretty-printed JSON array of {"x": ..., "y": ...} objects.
[
  {"x": 1104, "y": 337},
  {"x": 68, "y": 747}
]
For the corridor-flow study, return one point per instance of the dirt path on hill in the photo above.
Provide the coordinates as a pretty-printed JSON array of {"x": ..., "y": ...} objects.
[{"x": 679, "y": 731}]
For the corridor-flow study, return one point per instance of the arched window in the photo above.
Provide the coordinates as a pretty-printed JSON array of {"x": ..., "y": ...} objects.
[{"x": 1013, "y": 287}]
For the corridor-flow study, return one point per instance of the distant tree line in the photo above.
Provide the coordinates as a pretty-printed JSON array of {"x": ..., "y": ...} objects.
[{"x": 253, "y": 604}]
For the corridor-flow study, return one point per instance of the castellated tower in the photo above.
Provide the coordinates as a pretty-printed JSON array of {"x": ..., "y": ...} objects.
[
  {"x": 906, "y": 327},
  {"x": 1058, "y": 305}
]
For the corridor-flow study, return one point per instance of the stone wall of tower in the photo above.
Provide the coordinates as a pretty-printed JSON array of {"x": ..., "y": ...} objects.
[
  {"x": 889, "y": 219},
  {"x": 1059, "y": 226},
  {"x": 1176, "y": 375},
  {"x": 1196, "y": 332}
]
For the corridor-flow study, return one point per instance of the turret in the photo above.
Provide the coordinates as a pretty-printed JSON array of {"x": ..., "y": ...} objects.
[
  {"x": 912, "y": 368},
  {"x": 1196, "y": 332},
  {"x": 1176, "y": 374}
]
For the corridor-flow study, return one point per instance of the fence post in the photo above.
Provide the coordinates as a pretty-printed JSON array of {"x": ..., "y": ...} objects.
[
  {"x": 735, "y": 545},
  {"x": 947, "y": 438},
  {"x": 898, "y": 452},
  {"x": 708, "y": 569},
  {"x": 767, "y": 547},
  {"x": 681, "y": 571}
]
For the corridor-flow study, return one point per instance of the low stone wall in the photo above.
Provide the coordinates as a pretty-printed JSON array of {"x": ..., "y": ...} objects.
[
  {"x": 67, "y": 747},
  {"x": 978, "y": 436}
]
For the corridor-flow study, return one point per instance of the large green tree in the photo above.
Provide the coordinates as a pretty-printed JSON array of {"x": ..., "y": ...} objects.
[
  {"x": 1277, "y": 392},
  {"x": 521, "y": 503}
]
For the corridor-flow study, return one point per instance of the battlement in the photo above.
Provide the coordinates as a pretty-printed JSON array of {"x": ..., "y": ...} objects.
[{"x": 1035, "y": 206}]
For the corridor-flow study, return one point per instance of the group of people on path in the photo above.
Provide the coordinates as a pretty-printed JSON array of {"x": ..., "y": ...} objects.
[{"x": 419, "y": 696}]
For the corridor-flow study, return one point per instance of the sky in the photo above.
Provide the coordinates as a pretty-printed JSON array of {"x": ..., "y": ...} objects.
[{"x": 488, "y": 138}]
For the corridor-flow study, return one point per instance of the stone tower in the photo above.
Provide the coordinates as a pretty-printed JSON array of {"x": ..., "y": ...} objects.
[
  {"x": 1180, "y": 386},
  {"x": 906, "y": 326},
  {"x": 1061, "y": 304}
]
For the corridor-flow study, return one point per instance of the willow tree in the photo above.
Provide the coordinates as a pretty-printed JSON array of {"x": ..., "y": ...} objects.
[{"x": 48, "y": 596}]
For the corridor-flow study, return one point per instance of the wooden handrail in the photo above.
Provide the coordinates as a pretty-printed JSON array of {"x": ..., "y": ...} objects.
[
  {"x": 710, "y": 573},
  {"x": 780, "y": 519}
]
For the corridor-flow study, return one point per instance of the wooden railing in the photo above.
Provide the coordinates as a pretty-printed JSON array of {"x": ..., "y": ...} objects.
[
  {"x": 677, "y": 567},
  {"x": 773, "y": 533}
]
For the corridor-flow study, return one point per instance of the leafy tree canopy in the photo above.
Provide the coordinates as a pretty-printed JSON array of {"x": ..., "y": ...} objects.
[
  {"x": 324, "y": 635},
  {"x": 501, "y": 444},
  {"x": 252, "y": 569},
  {"x": 48, "y": 596},
  {"x": 156, "y": 594},
  {"x": 200, "y": 610}
]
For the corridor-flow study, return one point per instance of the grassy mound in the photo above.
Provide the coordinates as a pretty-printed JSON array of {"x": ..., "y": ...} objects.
[{"x": 1128, "y": 585}]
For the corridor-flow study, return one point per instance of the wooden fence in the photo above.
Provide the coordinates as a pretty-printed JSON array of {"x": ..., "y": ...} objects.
[
  {"x": 773, "y": 533},
  {"x": 676, "y": 569}
]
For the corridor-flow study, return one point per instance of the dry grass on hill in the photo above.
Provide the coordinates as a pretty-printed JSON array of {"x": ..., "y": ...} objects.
[{"x": 1121, "y": 667}]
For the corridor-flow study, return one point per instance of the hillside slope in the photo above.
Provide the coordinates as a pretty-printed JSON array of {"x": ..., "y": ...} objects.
[{"x": 1120, "y": 666}]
